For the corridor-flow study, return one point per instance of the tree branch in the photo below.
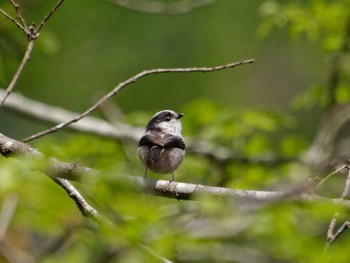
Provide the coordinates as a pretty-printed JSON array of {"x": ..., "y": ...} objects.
[
  {"x": 19, "y": 15},
  {"x": 58, "y": 171},
  {"x": 19, "y": 25},
  {"x": 331, "y": 236},
  {"x": 52, "y": 11},
  {"x": 121, "y": 131},
  {"x": 15, "y": 78},
  {"x": 132, "y": 80},
  {"x": 32, "y": 35},
  {"x": 175, "y": 190}
]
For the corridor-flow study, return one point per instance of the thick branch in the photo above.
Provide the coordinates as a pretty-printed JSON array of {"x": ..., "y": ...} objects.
[
  {"x": 54, "y": 168},
  {"x": 177, "y": 190}
]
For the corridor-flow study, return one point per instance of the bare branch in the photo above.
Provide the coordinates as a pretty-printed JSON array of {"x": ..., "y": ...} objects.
[
  {"x": 10, "y": 147},
  {"x": 179, "y": 190},
  {"x": 331, "y": 174},
  {"x": 54, "y": 167},
  {"x": 19, "y": 15},
  {"x": 52, "y": 11},
  {"x": 84, "y": 207},
  {"x": 122, "y": 131},
  {"x": 54, "y": 115},
  {"x": 19, "y": 25},
  {"x": 331, "y": 236},
  {"x": 32, "y": 35},
  {"x": 158, "y": 7},
  {"x": 15, "y": 78},
  {"x": 129, "y": 81}
]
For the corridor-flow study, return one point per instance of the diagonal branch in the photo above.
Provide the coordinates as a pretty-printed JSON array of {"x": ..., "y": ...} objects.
[
  {"x": 15, "y": 78},
  {"x": 19, "y": 25},
  {"x": 122, "y": 131},
  {"x": 19, "y": 15},
  {"x": 52, "y": 11},
  {"x": 132, "y": 80},
  {"x": 331, "y": 236}
]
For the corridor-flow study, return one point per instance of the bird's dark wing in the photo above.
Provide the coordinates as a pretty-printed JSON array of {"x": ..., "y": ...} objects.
[
  {"x": 158, "y": 143},
  {"x": 174, "y": 141},
  {"x": 151, "y": 139},
  {"x": 155, "y": 143}
]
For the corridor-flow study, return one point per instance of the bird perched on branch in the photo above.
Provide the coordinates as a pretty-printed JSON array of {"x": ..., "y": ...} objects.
[{"x": 162, "y": 147}]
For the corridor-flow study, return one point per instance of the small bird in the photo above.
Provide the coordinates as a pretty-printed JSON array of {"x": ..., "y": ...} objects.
[{"x": 162, "y": 148}]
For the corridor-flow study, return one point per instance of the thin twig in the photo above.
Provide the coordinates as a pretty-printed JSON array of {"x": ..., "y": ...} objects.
[
  {"x": 53, "y": 10},
  {"x": 86, "y": 209},
  {"x": 15, "y": 78},
  {"x": 32, "y": 34},
  {"x": 122, "y": 131},
  {"x": 90, "y": 212},
  {"x": 330, "y": 175},
  {"x": 14, "y": 21},
  {"x": 331, "y": 238},
  {"x": 19, "y": 15},
  {"x": 129, "y": 81}
]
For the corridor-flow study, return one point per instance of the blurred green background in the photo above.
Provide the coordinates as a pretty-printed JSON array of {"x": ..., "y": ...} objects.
[
  {"x": 268, "y": 110},
  {"x": 88, "y": 47}
]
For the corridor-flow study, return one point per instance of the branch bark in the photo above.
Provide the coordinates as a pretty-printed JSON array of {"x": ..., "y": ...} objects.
[{"x": 176, "y": 190}]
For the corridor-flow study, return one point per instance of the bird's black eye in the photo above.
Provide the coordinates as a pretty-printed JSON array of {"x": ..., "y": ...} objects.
[{"x": 168, "y": 118}]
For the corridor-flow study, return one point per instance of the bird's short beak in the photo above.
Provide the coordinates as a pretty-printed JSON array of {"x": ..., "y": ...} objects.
[{"x": 179, "y": 115}]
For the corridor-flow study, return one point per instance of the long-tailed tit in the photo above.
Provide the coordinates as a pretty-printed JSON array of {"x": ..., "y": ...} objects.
[{"x": 162, "y": 147}]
